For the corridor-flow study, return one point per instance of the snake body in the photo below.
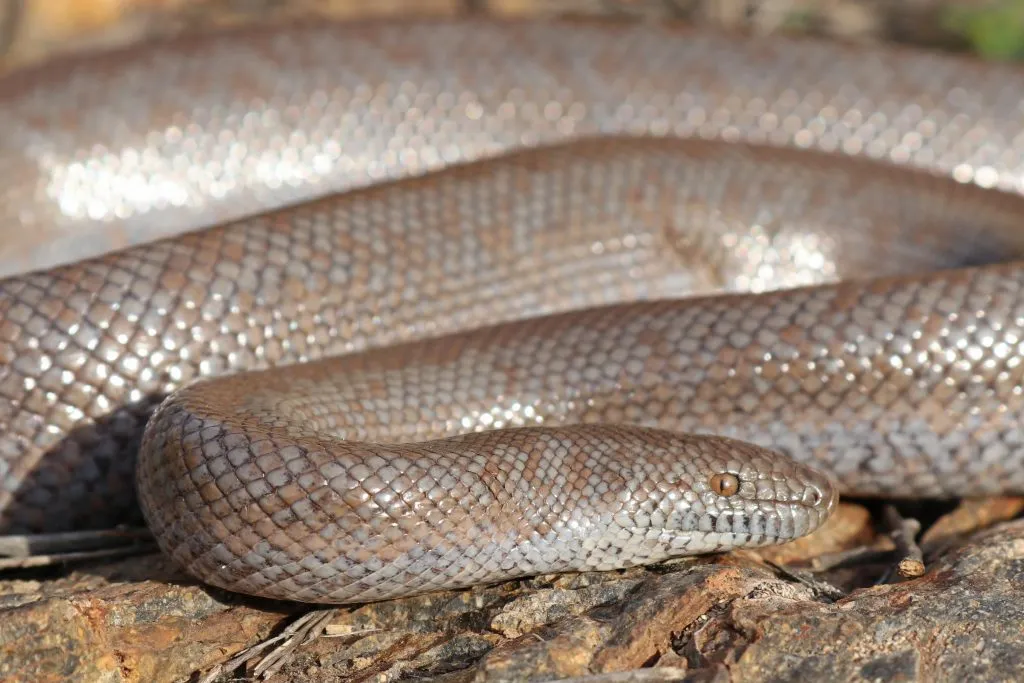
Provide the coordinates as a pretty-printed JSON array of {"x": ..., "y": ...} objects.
[{"x": 420, "y": 305}]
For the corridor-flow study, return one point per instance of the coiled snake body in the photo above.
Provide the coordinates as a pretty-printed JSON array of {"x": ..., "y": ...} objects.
[{"x": 566, "y": 255}]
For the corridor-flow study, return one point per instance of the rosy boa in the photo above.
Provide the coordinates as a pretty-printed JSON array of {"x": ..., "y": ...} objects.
[{"x": 493, "y": 287}]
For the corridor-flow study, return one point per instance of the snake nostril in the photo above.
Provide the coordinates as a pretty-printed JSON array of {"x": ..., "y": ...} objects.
[{"x": 812, "y": 496}]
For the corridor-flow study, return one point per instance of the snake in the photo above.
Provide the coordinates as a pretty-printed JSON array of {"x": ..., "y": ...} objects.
[{"x": 353, "y": 311}]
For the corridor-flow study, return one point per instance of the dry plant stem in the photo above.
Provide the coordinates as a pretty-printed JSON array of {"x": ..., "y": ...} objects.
[
  {"x": 903, "y": 532},
  {"x": 861, "y": 555},
  {"x": 45, "y": 550},
  {"x": 71, "y": 542},
  {"x": 64, "y": 558},
  {"x": 305, "y": 629}
]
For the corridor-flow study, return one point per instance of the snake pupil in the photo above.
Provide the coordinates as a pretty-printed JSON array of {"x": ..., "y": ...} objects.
[{"x": 725, "y": 484}]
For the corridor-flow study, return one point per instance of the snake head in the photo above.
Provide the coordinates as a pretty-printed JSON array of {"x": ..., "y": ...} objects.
[
  {"x": 749, "y": 496},
  {"x": 689, "y": 495}
]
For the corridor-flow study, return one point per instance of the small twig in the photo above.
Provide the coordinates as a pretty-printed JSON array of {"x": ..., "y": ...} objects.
[
  {"x": 63, "y": 558},
  {"x": 305, "y": 629},
  {"x": 903, "y": 532},
  {"x": 32, "y": 545},
  {"x": 820, "y": 587},
  {"x": 46, "y": 550},
  {"x": 345, "y": 631},
  {"x": 860, "y": 555}
]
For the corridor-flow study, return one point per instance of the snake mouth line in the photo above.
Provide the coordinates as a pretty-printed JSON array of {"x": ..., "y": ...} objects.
[{"x": 784, "y": 523}]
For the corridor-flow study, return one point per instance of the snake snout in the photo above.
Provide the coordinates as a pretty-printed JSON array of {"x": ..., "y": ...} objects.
[
  {"x": 812, "y": 499},
  {"x": 812, "y": 493},
  {"x": 820, "y": 493}
]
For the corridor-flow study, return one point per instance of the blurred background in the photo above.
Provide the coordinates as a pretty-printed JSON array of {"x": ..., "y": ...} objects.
[{"x": 32, "y": 30}]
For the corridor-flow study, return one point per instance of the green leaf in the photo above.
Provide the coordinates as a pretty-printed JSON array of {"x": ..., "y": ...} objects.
[{"x": 995, "y": 32}]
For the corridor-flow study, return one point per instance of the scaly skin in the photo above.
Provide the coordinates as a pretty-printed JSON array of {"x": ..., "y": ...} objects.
[{"x": 510, "y": 366}]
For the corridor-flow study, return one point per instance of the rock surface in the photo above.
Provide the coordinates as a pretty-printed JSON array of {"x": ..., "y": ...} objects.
[{"x": 731, "y": 617}]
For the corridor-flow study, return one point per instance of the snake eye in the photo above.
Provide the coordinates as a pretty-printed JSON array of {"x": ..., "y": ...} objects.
[{"x": 725, "y": 484}]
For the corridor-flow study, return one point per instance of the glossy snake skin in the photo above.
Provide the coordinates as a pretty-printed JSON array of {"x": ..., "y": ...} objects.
[{"x": 566, "y": 256}]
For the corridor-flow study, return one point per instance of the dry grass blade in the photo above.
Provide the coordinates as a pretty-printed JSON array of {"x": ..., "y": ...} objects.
[{"x": 306, "y": 628}]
